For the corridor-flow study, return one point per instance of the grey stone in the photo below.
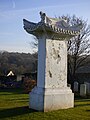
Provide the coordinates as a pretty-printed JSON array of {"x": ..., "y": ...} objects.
[
  {"x": 87, "y": 88},
  {"x": 75, "y": 86},
  {"x": 83, "y": 90}
]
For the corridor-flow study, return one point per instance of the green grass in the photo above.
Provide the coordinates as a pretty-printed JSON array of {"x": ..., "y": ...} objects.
[{"x": 14, "y": 106}]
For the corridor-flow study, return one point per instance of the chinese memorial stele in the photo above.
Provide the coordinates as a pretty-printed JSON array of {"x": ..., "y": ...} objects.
[{"x": 51, "y": 92}]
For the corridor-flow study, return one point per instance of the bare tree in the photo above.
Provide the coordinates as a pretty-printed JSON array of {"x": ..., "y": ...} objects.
[
  {"x": 34, "y": 44},
  {"x": 78, "y": 48}
]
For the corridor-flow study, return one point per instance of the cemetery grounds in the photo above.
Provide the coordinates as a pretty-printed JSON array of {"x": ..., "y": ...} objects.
[{"x": 14, "y": 106}]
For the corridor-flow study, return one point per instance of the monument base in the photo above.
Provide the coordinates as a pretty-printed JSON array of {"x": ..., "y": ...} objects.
[{"x": 48, "y": 99}]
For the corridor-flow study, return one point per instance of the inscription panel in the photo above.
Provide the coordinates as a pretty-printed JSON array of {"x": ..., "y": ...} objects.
[{"x": 56, "y": 64}]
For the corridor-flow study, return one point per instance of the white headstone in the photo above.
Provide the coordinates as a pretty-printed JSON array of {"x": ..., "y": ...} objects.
[
  {"x": 83, "y": 90},
  {"x": 51, "y": 92},
  {"x": 87, "y": 88},
  {"x": 75, "y": 86}
]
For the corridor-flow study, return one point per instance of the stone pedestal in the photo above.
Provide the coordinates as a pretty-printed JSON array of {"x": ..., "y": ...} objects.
[
  {"x": 51, "y": 99},
  {"x": 51, "y": 92}
]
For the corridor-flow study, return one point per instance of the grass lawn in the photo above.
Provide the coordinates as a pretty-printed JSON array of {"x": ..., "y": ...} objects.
[{"x": 14, "y": 106}]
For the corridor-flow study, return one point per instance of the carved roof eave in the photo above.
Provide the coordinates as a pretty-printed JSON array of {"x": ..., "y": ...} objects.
[{"x": 40, "y": 27}]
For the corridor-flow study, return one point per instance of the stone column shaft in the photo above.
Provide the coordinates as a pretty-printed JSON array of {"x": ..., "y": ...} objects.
[{"x": 52, "y": 63}]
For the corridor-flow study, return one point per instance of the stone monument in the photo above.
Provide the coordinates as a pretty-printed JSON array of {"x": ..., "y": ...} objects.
[{"x": 51, "y": 92}]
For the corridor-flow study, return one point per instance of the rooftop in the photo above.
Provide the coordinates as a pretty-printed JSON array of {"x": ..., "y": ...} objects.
[{"x": 56, "y": 26}]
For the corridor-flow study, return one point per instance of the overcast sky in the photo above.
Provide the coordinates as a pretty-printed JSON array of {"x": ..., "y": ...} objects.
[{"x": 13, "y": 37}]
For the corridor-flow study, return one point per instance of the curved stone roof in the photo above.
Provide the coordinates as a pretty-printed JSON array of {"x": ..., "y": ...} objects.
[{"x": 52, "y": 25}]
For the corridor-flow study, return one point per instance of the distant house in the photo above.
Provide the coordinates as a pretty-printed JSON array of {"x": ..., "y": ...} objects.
[
  {"x": 8, "y": 81},
  {"x": 10, "y": 73}
]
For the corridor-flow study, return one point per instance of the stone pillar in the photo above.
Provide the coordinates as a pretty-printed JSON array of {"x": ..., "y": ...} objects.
[
  {"x": 51, "y": 92},
  {"x": 52, "y": 64}
]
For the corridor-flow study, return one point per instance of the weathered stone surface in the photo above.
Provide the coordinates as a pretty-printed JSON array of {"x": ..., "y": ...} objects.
[{"x": 52, "y": 64}]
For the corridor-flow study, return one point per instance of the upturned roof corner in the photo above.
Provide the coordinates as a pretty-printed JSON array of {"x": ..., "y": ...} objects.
[{"x": 58, "y": 27}]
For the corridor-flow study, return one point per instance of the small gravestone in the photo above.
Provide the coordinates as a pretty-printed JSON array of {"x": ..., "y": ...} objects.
[
  {"x": 87, "y": 88},
  {"x": 51, "y": 92},
  {"x": 75, "y": 86},
  {"x": 83, "y": 90}
]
